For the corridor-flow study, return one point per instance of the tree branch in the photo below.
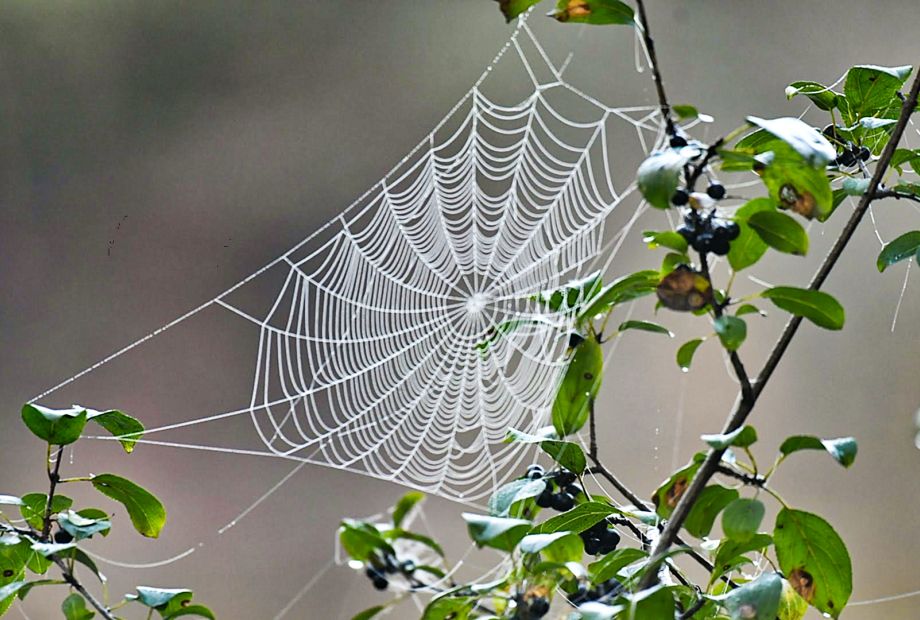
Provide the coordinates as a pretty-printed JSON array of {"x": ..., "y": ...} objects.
[
  {"x": 893, "y": 193},
  {"x": 656, "y": 72},
  {"x": 743, "y": 405},
  {"x": 70, "y": 578}
]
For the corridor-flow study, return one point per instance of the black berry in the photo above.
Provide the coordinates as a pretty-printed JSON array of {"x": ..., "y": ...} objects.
[
  {"x": 564, "y": 478},
  {"x": 563, "y": 502},
  {"x": 733, "y": 230},
  {"x": 678, "y": 142},
  {"x": 538, "y": 607},
  {"x": 687, "y": 232},
  {"x": 702, "y": 242},
  {"x": 573, "y": 489},
  {"x": 680, "y": 198},
  {"x": 62, "y": 537},
  {"x": 864, "y": 154},
  {"x": 391, "y": 565},
  {"x": 719, "y": 246},
  {"x": 407, "y": 567},
  {"x": 535, "y": 471},
  {"x": 381, "y": 583},
  {"x": 575, "y": 339},
  {"x": 846, "y": 159},
  {"x": 545, "y": 499},
  {"x": 716, "y": 191}
]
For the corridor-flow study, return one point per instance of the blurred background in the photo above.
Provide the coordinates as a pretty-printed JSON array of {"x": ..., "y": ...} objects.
[{"x": 153, "y": 154}]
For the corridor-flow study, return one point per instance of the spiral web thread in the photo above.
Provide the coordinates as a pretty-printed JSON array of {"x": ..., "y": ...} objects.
[{"x": 370, "y": 357}]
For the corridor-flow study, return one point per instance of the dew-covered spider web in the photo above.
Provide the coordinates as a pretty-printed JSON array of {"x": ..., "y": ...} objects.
[{"x": 381, "y": 347}]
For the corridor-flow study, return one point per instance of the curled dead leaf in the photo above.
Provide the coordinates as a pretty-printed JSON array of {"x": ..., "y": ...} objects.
[
  {"x": 803, "y": 583},
  {"x": 804, "y": 204},
  {"x": 575, "y": 8},
  {"x": 675, "y": 492},
  {"x": 684, "y": 290}
]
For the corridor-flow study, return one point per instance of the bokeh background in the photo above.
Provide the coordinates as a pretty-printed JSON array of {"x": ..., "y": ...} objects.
[{"x": 153, "y": 154}]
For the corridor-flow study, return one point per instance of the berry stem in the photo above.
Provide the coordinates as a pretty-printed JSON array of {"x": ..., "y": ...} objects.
[{"x": 656, "y": 72}]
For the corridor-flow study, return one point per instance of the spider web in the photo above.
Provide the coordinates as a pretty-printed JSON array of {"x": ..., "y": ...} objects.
[{"x": 378, "y": 348}]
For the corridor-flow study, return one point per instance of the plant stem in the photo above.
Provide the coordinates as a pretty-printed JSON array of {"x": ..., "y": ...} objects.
[
  {"x": 54, "y": 477},
  {"x": 656, "y": 72},
  {"x": 744, "y": 405},
  {"x": 70, "y": 578}
]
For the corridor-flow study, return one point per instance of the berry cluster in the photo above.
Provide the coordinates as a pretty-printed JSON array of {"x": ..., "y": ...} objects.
[
  {"x": 603, "y": 591},
  {"x": 601, "y": 538},
  {"x": 560, "y": 491},
  {"x": 710, "y": 233},
  {"x": 851, "y": 154},
  {"x": 62, "y": 537},
  {"x": 531, "y": 608},
  {"x": 382, "y": 564}
]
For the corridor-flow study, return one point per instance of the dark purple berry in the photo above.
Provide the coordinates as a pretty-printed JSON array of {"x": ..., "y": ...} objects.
[
  {"x": 702, "y": 242},
  {"x": 573, "y": 489},
  {"x": 720, "y": 246},
  {"x": 864, "y": 154},
  {"x": 538, "y": 607},
  {"x": 592, "y": 545},
  {"x": 545, "y": 499},
  {"x": 535, "y": 471},
  {"x": 678, "y": 142},
  {"x": 716, "y": 191},
  {"x": 563, "y": 502},
  {"x": 381, "y": 583},
  {"x": 846, "y": 159},
  {"x": 564, "y": 478},
  {"x": 687, "y": 232},
  {"x": 407, "y": 567},
  {"x": 680, "y": 198},
  {"x": 733, "y": 230},
  {"x": 575, "y": 339},
  {"x": 62, "y": 537}
]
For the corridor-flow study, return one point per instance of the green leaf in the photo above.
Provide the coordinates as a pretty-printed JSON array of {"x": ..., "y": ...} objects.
[
  {"x": 505, "y": 497},
  {"x": 97, "y": 514},
  {"x": 609, "y": 565},
  {"x": 74, "y": 608},
  {"x": 906, "y": 156},
  {"x": 159, "y": 597},
  {"x": 794, "y": 184},
  {"x": 855, "y": 187},
  {"x": 742, "y": 519},
  {"x": 712, "y": 500},
  {"x": 780, "y": 232},
  {"x": 685, "y": 353},
  {"x": 119, "y": 424},
  {"x": 567, "y": 454},
  {"x": 740, "y": 438},
  {"x": 843, "y": 450},
  {"x": 803, "y": 138},
  {"x": 659, "y": 176},
  {"x": 730, "y": 549},
  {"x": 744, "y": 309},
  {"x": 902, "y": 248},
  {"x": 559, "y": 547},
  {"x": 731, "y": 331},
  {"x": 576, "y": 520},
  {"x": 748, "y": 248},
  {"x": 146, "y": 512},
  {"x": 512, "y": 8},
  {"x": 646, "y": 326},
  {"x": 361, "y": 540},
  {"x": 199, "y": 611},
  {"x": 756, "y": 600},
  {"x": 34, "y": 504},
  {"x": 822, "y": 96},
  {"x": 571, "y": 294},
  {"x": 685, "y": 112},
  {"x": 814, "y": 560},
  {"x": 447, "y": 607},
  {"x": 8, "y": 591},
  {"x": 401, "y": 534},
  {"x": 671, "y": 490},
  {"x": 872, "y": 91},
  {"x": 404, "y": 505},
  {"x": 78, "y": 555},
  {"x": 579, "y": 386},
  {"x": 791, "y": 605},
  {"x": 369, "y": 613},
  {"x": 656, "y": 603},
  {"x": 597, "y": 12},
  {"x": 59, "y": 427},
  {"x": 665, "y": 239},
  {"x": 496, "y": 532},
  {"x": 816, "y": 306},
  {"x": 80, "y": 527},
  {"x": 621, "y": 290}
]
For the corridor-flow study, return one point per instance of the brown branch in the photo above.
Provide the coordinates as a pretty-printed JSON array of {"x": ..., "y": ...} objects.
[
  {"x": 744, "y": 406},
  {"x": 54, "y": 477},
  {"x": 656, "y": 72},
  {"x": 75, "y": 583},
  {"x": 893, "y": 193}
]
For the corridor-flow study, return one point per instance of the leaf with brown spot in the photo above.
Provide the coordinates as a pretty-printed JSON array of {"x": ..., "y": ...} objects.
[
  {"x": 684, "y": 290},
  {"x": 815, "y": 559}
]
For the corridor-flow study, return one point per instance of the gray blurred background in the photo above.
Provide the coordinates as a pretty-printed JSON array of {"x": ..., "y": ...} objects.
[{"x": 154, "y": 153}]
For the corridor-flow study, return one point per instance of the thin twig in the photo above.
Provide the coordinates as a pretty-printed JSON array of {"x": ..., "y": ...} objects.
[
  {"x": 54, "y": 477},
  {"x": 744, "y": 406},
  {"x": 656, "y": 72},
  {"x": 893, "y": 193},
  {"x": 75, "y": 583}
]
